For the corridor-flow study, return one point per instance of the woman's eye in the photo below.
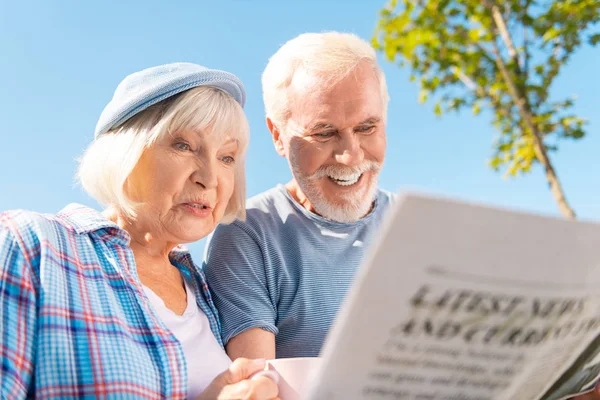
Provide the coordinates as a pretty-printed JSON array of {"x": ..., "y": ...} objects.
[
  {"x": 228, "y": 160},
  {"x": 182, "y": 146}
]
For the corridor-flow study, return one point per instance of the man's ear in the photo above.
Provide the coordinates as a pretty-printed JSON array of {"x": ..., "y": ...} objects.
[{"x": 277, "y": 139}]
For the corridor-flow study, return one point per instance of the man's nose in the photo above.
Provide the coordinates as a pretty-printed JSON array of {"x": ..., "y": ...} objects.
[{"x": 349, "y": 152}]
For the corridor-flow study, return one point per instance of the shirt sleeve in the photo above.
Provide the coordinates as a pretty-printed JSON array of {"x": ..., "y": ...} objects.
[
  {"x": 17, "y": 317},
  {"x": 236, "y": 275}
]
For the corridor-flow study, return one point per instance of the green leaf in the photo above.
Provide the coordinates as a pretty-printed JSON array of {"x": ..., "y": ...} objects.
[
  {"x": 474, "y": 35},
  {"x": 577, "y": 134},
  {"x": 550, "y": 34},
  {"x": 505, "y": 147},
  {"x": 495, "y": 163},
  {"x": 594, "y": 39},
  {"x": 495, "y": 87},
  {"x": 539, "y": 69},
  {"x": 423, "y": 96}
]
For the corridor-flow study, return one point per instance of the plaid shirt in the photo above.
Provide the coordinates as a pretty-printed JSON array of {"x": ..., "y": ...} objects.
[{"x": 75, "y": 320}]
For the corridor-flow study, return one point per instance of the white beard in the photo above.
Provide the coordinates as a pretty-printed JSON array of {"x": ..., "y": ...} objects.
[{"x": 354, "y": 205}]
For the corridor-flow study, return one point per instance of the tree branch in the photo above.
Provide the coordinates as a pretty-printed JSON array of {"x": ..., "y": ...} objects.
[
  {"x": 526, "y": 54},
  {"x": 499, "y": 27},
  {"x": 502, "y": 29},
  {"x": 467, "y": 81},
  {"x": 539, "y": 147},
  {"x": 480, "y": 92}
]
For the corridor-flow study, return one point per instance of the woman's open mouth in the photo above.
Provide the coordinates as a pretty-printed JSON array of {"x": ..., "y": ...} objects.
[{"x": 198, "y": 209}]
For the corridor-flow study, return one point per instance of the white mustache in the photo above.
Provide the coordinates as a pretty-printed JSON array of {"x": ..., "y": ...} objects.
[{"x": 337, "y": 170}]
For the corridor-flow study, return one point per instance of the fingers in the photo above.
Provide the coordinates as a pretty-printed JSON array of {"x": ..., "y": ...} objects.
[
  {"x": 245, "y": 379},
  {"x": 260, "y": 388},
  {"x": 242, "y": 368},
  {"x": 588, "y": 396},
  {"x": 273, "y": 375},
  {"x": 595, "y": 395}
]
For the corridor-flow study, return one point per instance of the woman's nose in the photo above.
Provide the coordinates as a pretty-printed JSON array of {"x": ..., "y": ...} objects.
[{"x": 205, "y": 175}]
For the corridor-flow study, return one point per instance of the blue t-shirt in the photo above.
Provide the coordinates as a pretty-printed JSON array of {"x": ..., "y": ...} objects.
[{"x": 286, "y": 270}]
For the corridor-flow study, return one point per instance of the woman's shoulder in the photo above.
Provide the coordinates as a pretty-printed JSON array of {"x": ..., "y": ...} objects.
[
  {"x": 30, "y": 228},
  {"x": 45, "y": 241},
  {"x": 26, "y": 224},
  {"x": 23, "y": 236}
]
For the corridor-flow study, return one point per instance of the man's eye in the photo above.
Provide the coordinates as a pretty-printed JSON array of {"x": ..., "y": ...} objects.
[
  {"x": 366, "y": 129},
  {"x": 228, "y": 160},
  {"x": 322, "y": 135},
  {"x": 182, "y": 146}
]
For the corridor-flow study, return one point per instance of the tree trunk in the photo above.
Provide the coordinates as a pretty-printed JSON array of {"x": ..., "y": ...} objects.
[
  {"x": 555, "y": 187},
  {"x": 520, "y": 100},
  {"x": 541, "y": 152}
]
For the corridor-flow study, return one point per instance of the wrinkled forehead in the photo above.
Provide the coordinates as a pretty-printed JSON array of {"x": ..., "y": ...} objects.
[{"x": 354, "y": 98}]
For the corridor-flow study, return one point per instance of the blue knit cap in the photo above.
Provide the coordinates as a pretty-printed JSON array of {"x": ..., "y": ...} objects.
[{"x": 142, "y": 89}]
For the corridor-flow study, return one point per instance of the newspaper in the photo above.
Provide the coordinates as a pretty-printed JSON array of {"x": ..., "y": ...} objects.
[{"x": 464, "y": 302}]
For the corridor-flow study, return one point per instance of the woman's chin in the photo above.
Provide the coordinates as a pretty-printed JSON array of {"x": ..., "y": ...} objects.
[
  {"x": 188, "y": 229},
  {"x": 193, "y": 234}
]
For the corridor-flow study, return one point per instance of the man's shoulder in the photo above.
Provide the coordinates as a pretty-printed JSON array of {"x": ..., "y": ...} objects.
[
  {"x": 265, "y": 214},
  {"x": 267, "y": 209},
  {"x": 389, "y": 197},
  {"x": 385, "y": 199},
  {"x": 269, "y": 200}
]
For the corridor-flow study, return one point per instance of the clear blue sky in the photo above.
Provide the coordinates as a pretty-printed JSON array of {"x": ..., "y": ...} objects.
[{"x": 61, "y": 61}]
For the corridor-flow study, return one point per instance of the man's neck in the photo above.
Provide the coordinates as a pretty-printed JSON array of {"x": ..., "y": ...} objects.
[{"x": 294, "y": 190}]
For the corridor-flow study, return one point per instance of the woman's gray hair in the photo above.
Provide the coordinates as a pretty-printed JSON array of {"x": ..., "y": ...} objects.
[
  {"x": 329, "y": 56},
  {"x": 109, "y": 160}
]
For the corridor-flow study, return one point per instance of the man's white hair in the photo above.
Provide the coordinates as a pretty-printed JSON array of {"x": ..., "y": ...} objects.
[
  {"x": 328, "y": 56},
  {"x": 109, "y": 160}
]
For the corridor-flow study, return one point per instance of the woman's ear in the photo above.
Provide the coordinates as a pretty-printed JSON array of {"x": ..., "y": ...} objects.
[{"x": 276, "y": 135}]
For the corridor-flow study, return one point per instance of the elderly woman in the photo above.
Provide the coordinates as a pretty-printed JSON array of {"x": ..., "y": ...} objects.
[{"x": 108, "y": 305}]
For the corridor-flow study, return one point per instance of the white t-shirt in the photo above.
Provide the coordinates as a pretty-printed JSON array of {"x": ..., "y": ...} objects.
[{"x": 204, "y": 356}]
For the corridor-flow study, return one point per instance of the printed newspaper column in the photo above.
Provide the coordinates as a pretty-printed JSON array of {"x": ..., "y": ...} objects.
[{"x": 464, "y": 302}]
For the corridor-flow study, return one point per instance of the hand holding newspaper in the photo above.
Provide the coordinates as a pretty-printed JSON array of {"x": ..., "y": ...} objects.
[{"x": 463, "y": 302}]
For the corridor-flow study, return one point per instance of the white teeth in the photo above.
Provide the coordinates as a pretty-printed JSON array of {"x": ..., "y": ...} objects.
[
  {"x": 345, "y": 180},
  {"x": 198, "y": 206}
]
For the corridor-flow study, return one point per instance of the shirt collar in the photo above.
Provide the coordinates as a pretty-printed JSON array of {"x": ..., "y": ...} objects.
[
  {"x": 84, "y": 220},
  {"x": 181, "y": 254}
]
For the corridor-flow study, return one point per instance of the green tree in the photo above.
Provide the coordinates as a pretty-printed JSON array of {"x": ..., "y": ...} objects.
[{"x": 497, "y": 56}]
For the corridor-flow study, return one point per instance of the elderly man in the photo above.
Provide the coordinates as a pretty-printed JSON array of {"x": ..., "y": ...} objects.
[{"x": 278, "y": 279}]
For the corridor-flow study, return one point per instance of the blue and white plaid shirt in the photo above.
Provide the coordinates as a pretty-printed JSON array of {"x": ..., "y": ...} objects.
[{"x": 75, "y": 320}]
